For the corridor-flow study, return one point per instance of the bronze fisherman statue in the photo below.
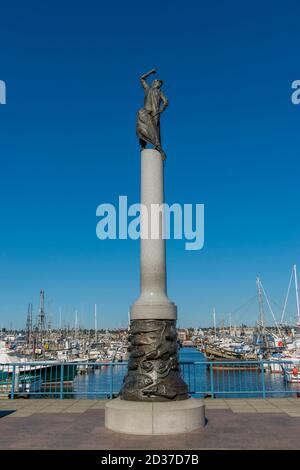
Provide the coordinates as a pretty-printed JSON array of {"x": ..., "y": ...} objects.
[{"x": 148, "y": 118}]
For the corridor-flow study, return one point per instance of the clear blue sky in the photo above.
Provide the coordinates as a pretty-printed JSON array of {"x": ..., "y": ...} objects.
[{"x": 67, "y": 144}]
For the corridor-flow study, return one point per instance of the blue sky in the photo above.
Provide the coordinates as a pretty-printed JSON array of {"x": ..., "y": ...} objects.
[{"x": 68, "y": 144}]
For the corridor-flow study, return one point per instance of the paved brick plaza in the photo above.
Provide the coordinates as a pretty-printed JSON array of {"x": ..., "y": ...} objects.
[{"x": 79, "y": 424}]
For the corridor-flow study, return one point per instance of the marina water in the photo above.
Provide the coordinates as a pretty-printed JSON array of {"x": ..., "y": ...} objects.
[{"x": 106, "y": 381}]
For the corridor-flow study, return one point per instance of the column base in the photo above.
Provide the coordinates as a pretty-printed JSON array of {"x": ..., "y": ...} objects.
[
  {"x": 153, "y": 369},
  {"x": 132, "y": 417},
  {"x": 153, "y": 311}
]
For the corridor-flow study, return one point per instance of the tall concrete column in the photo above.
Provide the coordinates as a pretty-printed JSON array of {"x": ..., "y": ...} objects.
[{"x": 153, "y": 302}]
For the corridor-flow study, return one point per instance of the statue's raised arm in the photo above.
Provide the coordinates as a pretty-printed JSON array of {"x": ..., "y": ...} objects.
[
  {"x": 148, "y": 119},
  {"x": 144, "y": 77}
]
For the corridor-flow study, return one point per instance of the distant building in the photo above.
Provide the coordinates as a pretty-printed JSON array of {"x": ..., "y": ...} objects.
[{"x": 182, "y": 334}]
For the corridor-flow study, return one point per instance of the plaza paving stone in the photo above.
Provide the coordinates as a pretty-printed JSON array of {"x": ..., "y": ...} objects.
[{"x": 79, "y": 424}]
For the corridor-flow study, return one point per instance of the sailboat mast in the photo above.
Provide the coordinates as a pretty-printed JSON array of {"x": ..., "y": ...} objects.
[
  {"x": 95, "y": 314},
  {"x": 287, "y": 296},
  {"x": 214, "y": 318},
  {"x": 297, "y": 295},
  {"x": 42, "y": 316},
  {"x": 29, "y": 325},
  {"x": 261, "y": 304},
  {"x": 76, "y": 323}
]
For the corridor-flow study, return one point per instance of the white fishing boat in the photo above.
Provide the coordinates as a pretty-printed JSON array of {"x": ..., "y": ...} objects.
[
  {"x": 291, "y": 372},
  {"x": 277, "y": 362}
]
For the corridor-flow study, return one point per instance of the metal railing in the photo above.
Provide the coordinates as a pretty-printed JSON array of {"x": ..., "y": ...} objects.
[{"x": 104, "y": 379}]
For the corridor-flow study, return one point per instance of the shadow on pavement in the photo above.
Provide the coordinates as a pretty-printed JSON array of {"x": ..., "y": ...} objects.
[{"x": 4, "y": 413}]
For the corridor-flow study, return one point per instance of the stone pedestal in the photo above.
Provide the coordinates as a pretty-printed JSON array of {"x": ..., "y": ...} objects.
[{"x": 154, "y": 418}]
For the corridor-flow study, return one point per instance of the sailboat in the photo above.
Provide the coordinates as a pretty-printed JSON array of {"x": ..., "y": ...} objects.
[{"x": 288, "y": 359}]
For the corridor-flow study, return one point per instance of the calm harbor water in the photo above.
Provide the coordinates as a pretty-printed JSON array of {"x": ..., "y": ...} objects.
[{"x": 201, "y": 380}]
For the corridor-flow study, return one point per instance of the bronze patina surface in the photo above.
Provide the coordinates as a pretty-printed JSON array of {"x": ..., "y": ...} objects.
[
  {"x": 153, "y": 368},
  {"x": 148, "y": 117}
]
